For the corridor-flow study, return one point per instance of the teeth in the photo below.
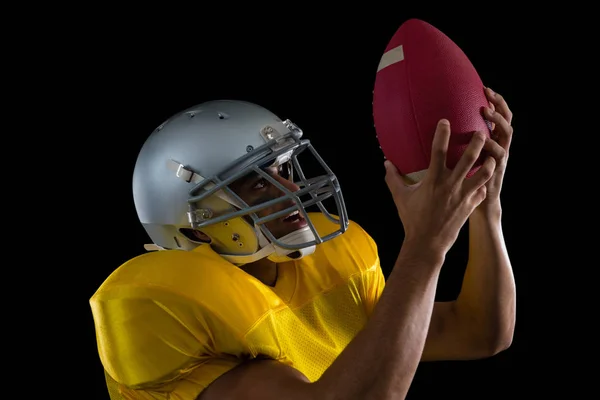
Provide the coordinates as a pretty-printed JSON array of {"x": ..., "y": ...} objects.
[{"x": 292, "y": 214}]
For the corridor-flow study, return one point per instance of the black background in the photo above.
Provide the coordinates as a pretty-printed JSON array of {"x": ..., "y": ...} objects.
[{"x": 315, "y": 66}]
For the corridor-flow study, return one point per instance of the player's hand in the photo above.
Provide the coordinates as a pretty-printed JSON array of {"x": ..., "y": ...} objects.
[
  {"x": 434, "y": 209},
  {"x": 501, "y": 118}
]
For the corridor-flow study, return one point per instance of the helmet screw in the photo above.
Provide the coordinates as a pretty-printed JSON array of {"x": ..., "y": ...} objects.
[
  {"x": 235, "y": 237},
  {"x": 206, "y": 214},
  {"x": 249, "y": 149}
]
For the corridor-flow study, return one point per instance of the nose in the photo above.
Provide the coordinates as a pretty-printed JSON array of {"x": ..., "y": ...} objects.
[{"x": 289, "y": 185}]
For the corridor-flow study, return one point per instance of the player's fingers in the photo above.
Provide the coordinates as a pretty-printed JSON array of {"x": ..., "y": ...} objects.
[
  {"x": 480, "y": 178},
  {"x": 439, "y": 147},
  {"x": 493, "y": 109},
  {"x": 503, "y": 131},
  {"x": 468, "y": 158},
  {"x": 494, "y": 150},
  {"x": 499, "y": 104}
]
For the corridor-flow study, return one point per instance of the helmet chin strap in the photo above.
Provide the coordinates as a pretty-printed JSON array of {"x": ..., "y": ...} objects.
[
  {"x": 280, "y": 254},
  {"x": 275, "y": 253}
]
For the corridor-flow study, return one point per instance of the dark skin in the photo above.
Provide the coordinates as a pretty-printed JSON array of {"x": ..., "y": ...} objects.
[{"x": 255, "y": 189}]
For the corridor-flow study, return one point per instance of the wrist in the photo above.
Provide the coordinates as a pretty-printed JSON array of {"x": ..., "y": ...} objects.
[
  {"x": 487, "y": 214},
  {"x": 422, "y": 252}
]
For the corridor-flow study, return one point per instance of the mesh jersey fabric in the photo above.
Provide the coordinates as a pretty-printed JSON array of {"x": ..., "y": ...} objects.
[{"x": 169, "y": 323}]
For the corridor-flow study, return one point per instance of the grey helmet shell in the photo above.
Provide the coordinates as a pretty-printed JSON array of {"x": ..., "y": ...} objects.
[{"x": 183, "y": 169}]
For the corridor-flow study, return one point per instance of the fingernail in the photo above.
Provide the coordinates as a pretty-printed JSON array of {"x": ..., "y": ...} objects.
[
  {"x": 386, "y": 164},
  {"x": 491, "y": 92},
  {"x": 444, "y": 121},
  {"x": 490, "y": 111}
]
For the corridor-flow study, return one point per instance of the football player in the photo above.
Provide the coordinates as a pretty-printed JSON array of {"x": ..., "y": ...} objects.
[{"x": 256, "y": 288}]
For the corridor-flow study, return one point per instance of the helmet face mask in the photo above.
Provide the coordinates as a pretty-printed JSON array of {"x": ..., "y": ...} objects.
[
  {"x": 317, "y": 188},
  {"x": 238, "y": 228}
]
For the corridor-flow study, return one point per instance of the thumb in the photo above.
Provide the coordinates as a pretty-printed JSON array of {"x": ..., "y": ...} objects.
[
  {"x": 390, "y": 168},
  {"x": 393, "y": 179}
]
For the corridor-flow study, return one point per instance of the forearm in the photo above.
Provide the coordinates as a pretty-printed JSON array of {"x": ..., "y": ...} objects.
[
  {"x": 487, "y": 300},
  {"x": 381, "y": 361}
]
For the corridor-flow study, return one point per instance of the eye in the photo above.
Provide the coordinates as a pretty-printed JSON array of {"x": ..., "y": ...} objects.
[{"x": 260, "y": 184}]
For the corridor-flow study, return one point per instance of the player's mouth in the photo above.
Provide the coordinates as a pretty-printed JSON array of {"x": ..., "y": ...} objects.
[{"x": 295, "y": 218}]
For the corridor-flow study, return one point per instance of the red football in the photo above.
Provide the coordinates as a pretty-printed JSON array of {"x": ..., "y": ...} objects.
[{"x": 423, "y": 76}]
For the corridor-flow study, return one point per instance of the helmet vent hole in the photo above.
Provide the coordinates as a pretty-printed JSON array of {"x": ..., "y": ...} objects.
[
  {"x": 222, "y": 115},
  {"x": 192, "y": 113}
]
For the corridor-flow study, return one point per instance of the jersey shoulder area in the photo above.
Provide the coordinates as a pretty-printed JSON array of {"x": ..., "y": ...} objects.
[{"x": 200, "y": 276}]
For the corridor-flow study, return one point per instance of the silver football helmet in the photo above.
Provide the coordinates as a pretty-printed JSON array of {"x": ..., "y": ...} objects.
[{"x": 183, "y": 172}]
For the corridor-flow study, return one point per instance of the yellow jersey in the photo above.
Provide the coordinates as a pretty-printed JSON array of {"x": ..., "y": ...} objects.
[{"x": 169, "y": 323}]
